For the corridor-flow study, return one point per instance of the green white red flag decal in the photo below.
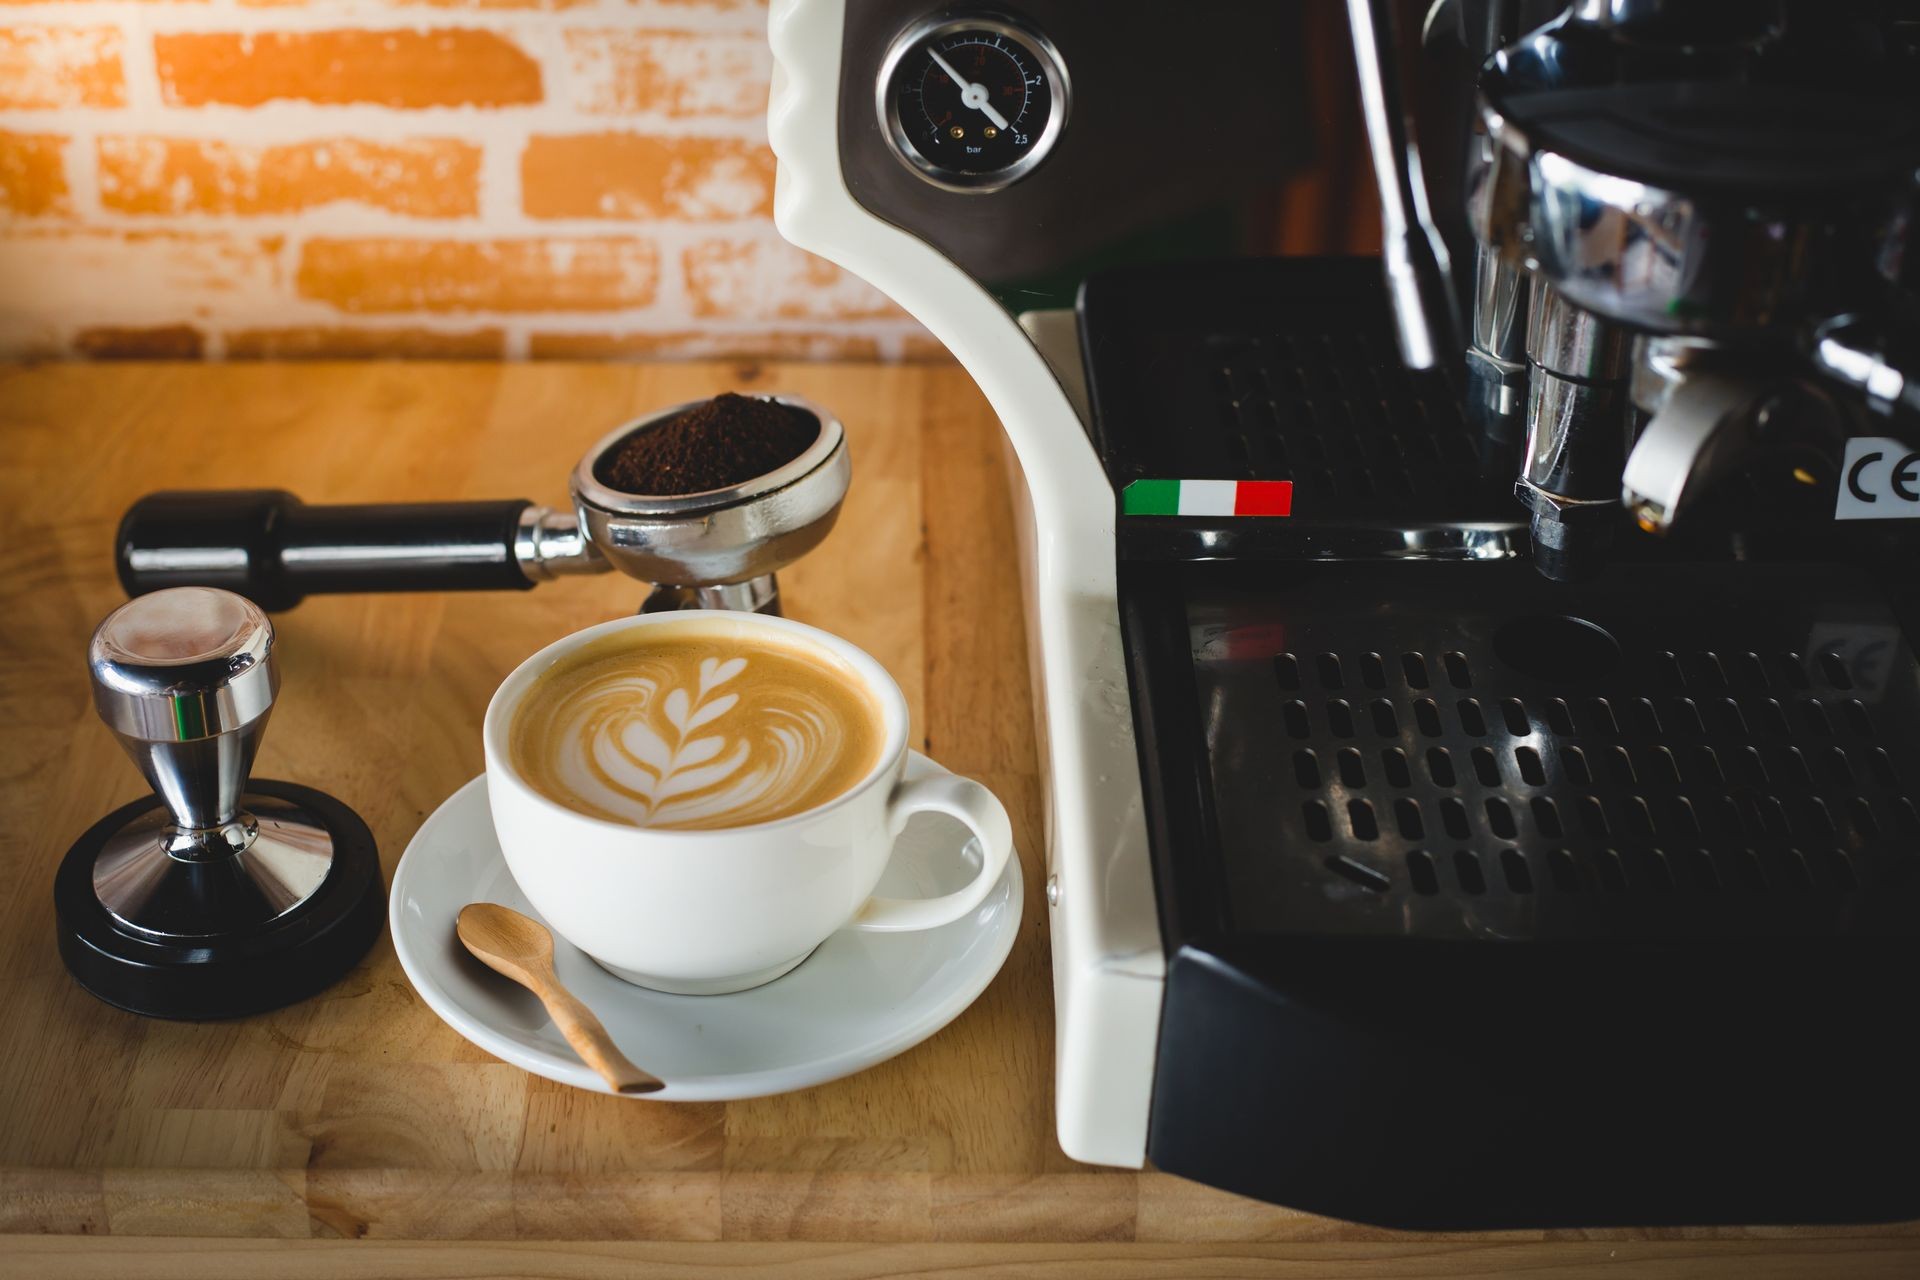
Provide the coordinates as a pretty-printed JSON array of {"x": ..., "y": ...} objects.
[{"x": 1207, "y": 498}]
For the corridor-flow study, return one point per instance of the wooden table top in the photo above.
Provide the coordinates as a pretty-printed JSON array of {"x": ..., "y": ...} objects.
[{"x": 358, "y": 1115}]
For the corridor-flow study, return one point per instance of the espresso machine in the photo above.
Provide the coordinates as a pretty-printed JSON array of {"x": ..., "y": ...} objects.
[
  {"x": 1476, "y": 681},
  {"x": 1479, "y": 709}
]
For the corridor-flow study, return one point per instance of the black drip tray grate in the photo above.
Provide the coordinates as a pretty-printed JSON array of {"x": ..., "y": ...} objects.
[
  {"x": 1280, "y": 369},
  {"x": 1452, "y": 752},
  {"x": 1331, "y": 410}
]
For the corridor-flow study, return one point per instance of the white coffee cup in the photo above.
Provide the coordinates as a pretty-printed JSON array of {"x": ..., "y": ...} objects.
[{"x": 703, "y": 912}]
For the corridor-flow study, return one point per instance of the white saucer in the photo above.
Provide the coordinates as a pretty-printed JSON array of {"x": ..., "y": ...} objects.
[{"x": 860, "y": 999}]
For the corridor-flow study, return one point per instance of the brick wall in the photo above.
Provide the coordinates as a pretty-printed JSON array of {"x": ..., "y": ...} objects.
[{"x": 266, "y": 178}]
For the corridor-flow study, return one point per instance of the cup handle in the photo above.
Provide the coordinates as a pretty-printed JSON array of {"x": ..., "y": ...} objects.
[{"x": 971, "y": 803}]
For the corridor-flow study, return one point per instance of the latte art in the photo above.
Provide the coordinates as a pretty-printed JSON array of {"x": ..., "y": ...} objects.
[{"x": 694, "y": 731}]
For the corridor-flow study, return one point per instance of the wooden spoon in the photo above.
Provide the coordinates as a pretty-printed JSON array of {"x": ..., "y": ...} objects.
[{"x": 522, "y": 949}]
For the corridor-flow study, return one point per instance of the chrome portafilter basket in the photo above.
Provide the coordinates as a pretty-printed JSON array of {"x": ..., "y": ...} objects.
[{"x": 717, "y": 549}]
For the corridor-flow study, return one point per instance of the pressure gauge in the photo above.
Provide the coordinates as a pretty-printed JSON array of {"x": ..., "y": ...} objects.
[{"x": 972, "y": 104}]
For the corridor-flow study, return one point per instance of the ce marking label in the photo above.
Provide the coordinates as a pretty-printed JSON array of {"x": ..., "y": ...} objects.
[{"x": 1880, "y": 481}]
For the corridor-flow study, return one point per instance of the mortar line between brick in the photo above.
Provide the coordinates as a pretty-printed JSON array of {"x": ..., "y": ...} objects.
[
  {"x": 137, "y": 64},
  {"x": 80, "y": 161}
]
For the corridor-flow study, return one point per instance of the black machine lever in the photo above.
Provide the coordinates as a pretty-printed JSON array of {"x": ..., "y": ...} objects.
[{"x": 268, "y": 545}]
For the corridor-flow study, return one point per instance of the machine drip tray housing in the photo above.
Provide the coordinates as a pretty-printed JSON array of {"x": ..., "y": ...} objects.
[{"x": 1487, "y": 905}]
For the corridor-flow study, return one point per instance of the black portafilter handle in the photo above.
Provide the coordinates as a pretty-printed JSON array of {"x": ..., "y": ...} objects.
[{"x": 274, "y": 549}]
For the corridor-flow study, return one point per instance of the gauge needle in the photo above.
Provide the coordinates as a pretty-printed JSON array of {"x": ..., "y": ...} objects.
[{"x": 971, "y": 95}]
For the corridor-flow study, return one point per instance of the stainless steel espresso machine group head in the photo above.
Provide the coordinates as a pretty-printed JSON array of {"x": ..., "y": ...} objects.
[
  {"x": 215, "y": 896},
  {"x": 718, "y": 549},
  {"x": 1691, "y": 223}
]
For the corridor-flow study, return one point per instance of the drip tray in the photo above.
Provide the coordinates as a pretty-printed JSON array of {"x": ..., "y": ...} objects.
[{"x": 1471, "y": 752}]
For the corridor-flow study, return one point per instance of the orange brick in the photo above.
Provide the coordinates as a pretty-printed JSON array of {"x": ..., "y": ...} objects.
[
  {"x": 422, "y": 177},
  {"x": 617, "y": 72},
  {"x": 365, "y": 344},
  {"x": 444, "y": 67},
  {"x": 440, "y": 4},
  {"x": 630, "y": 175},
  {"x": 60, "y": 67},
  {"x": 366, "y": 276},
  {"x": 161, "y": 342},
  {"x": 772, "y": 280},
  {"x": 33, "y": 175},
  {"x": 701, "y": 345}
]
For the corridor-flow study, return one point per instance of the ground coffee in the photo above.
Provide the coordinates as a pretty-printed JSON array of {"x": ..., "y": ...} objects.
[{"x": 726, "y": 440}]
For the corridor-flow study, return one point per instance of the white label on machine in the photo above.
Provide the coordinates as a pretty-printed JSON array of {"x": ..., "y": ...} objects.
[{"x": 1879, "y": 481}]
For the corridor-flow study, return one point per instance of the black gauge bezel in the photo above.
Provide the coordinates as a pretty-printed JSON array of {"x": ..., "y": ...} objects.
[{"x": 1038, "y": 47}]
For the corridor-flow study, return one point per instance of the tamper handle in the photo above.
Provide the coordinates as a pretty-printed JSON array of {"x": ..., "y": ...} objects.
[
  {"x": 185, "y": 678},
  {"x": 268, "y": 545}
]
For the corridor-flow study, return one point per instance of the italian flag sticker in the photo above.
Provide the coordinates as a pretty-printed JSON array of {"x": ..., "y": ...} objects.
[{"x": 1207, "y": 498}]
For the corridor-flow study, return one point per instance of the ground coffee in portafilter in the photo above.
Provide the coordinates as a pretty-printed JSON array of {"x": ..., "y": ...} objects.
[{"x": 725, "y": 441}]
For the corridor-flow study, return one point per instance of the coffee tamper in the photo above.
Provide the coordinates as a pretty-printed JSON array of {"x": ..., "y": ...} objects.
[{"x": 216, "y": 896}]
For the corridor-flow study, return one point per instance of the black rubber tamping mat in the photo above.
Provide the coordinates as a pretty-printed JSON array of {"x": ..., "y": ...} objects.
[
  {"x": 234, "y": 974},
  {"x": 1469, "y": 752}
]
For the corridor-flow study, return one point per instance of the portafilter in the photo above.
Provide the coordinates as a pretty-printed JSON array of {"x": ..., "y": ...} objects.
[{"x": 717, "y": 549}]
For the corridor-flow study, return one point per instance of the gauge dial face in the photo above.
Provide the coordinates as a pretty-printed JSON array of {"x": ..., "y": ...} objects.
[{"x": 973, "y": 104}]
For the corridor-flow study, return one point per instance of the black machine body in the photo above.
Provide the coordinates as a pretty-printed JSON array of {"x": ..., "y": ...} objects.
[
  {"x": 1493, "y": 901},
  {"x": 1517, "y": 626}
]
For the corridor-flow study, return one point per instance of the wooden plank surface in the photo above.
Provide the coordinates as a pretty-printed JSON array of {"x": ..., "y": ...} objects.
[
  {"x": 358, "y": 1115},
  {"x": 68, "y": 1258}
]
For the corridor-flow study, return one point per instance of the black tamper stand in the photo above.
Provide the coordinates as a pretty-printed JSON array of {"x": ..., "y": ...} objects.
[{"x": 215, "y": 896}]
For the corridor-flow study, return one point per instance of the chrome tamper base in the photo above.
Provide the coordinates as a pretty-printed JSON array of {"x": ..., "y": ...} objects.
[{"x": 213, "y": 897}]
